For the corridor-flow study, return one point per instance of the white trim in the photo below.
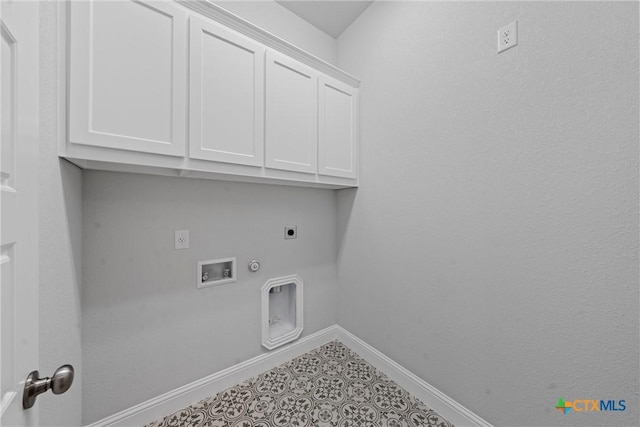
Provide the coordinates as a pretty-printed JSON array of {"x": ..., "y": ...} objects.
[
  {"x": 6, "y": 400},
  {"x": 428, "y": 394},
  {"x": 223, "y": 16},
  {"x": 165, "y": 404}
]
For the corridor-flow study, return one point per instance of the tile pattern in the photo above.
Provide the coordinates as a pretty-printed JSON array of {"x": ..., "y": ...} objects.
[{"x": 330, "y": 386}]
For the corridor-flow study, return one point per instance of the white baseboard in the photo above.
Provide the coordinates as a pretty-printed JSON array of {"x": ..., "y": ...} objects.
[
  {"x": 428, "y": 394},
  {"x": 174, "y": 400},
  {"x": 165, "y": 404}
]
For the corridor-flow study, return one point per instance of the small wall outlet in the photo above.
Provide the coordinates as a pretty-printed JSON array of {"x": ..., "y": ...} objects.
[
  {"x": 291, "y": 232},
  {"x": 508, "y": 36},
  {"x": 181, "y": 239}
]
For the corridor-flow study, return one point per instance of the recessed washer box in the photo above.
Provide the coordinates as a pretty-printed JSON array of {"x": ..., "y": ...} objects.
[
  {"x": 282, "y": 311},
  {"x": 216, "y": 272}
]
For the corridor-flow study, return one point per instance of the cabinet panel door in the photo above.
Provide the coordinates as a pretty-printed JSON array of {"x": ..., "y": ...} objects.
[
  {"x": 128, "y": 76},
  {"x": 292, "y": 115},
  {"x": 226, "y": 103},
  {"x": 337, "y": 145}
]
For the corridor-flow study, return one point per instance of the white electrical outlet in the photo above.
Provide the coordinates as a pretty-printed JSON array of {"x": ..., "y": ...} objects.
[
  {"x": 182, "y": 239},
  {"x": 508, "y": 36}
]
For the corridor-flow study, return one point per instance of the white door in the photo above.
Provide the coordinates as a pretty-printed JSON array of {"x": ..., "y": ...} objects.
[
  {"x": 337, "y": 144},
  {"x": 226, "y": 103},
  {"x": 292, "y": 115},
  {"x": 18, "y": 208},
  {"x": 128, "y": 85}
]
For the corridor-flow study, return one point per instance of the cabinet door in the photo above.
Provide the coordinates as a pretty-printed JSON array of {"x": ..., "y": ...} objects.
[
  {"x": 337, "y": 145},
  {"x": 226, "y": 102},
  {"x": 127, "y": 87},
  {"x": 292, "y": 115}
]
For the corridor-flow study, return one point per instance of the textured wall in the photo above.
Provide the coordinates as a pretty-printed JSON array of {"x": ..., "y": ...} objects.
[
  {"x": 146, "y": 329},
  {"x": 492, "y": 247},
  {"x": 60, "y": 223},
  {"x": 280, "y": 21}
]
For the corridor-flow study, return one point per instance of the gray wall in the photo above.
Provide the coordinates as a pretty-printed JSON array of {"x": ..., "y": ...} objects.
[
  {"x": 492, "y": 247},
  {"x": 60, "y": 232},
  {"x": 146, "y": 329}
]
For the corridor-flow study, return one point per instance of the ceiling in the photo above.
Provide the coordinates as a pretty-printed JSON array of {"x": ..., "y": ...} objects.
[{"x": 329, "y": 16}]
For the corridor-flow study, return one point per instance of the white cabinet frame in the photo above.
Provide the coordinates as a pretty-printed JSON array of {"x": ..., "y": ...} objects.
[
  {"x": 291, "y": 144},
  {"x": 337, "y": 129},
  {"x": 118, "y": 144},
  {"x": 81, "y": 91},
  {"x": 239, "y": 136}
]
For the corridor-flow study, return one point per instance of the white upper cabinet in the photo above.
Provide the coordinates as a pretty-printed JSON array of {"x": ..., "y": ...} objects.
[
  {"x": 184, "y": 88},
  {"x": 292, "y": 115},
  {"x": 226, "y": 95},
  {"x": 337, "y": 146},
  {"x": 128, "y": 85}
]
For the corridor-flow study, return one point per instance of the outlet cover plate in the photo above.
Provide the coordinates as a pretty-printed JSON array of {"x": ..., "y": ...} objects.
[
  {"x": 508, "y": 36},
  {"x": 181, "y": 239}
]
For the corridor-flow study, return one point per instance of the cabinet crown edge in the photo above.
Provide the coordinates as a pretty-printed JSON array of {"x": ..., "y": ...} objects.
[{"x": 219, "y": 14}]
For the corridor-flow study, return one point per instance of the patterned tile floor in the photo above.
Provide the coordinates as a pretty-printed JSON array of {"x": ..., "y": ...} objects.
[{"x": 330, "y": 386}]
